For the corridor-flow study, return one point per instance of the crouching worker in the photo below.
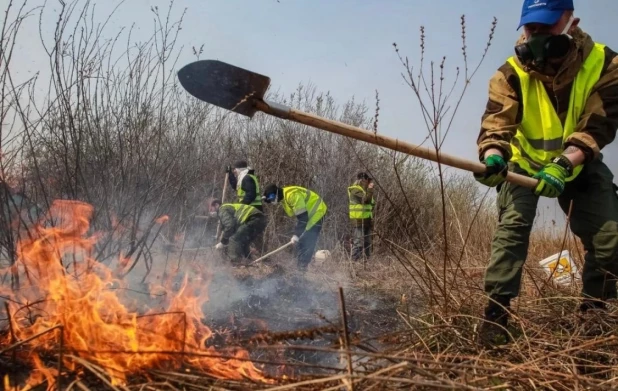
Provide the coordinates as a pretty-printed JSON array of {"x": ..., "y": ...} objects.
[
  {"x": 309, "y": 209},
  {"x": 240, "y": 225}
]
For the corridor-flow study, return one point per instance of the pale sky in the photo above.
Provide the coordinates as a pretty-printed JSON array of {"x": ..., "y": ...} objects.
[{"x": 345, "y": 47}]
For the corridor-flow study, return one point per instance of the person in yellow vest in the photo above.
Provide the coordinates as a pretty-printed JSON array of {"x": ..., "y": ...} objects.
[
  {"x": 309, "y": 209},
  {"x": 240, "y": 225},
  {"x": 552, "y": 108},
  {"x": 361, "y": 204},
  {"x": 243, "y": 180}
]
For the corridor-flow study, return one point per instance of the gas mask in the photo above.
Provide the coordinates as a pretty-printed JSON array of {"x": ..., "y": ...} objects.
[{"x": 541, "y": 47}]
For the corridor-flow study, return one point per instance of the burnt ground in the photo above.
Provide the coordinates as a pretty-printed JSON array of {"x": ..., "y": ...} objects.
[{"x": 294, "y": 309}]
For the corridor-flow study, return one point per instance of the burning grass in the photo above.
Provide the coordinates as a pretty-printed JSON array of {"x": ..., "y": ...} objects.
[
  {"x": 71, "y": 310},
  {"x": 69, "y": 323}
]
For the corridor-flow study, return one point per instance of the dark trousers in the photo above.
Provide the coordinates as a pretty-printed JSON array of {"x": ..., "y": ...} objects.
[
  {"x": 305, "y": 248},
  {"x": 238, "y": 247},
  {"x": 361, "y": 242},
  {"x": 594, "y": 220},
  {"x": 258, "y": 241}
]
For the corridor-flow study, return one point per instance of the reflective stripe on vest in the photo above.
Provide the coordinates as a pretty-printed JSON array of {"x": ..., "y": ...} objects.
[
  {"x": 359, "y": 211},
  {"x": 540, "y": 136},
  {"x": 315, "y": 207},
  {"x": 242, "y": 212},
  {"x": 241, "y": 193}
]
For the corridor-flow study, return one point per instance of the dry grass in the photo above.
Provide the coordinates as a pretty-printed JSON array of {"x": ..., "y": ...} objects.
[
  {"x": 398, "y": 341},
  {"x": 144, "y": 149}
]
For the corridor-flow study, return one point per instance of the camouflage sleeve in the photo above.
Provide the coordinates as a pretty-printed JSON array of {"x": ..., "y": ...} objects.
[
  {"x": 357, "y": 195},
  {"x": 502, "y": 112},
  {"x": 597, "y": 125},
  {"x": 368, "y": 196},
  {"x": 228, "y": 223}
]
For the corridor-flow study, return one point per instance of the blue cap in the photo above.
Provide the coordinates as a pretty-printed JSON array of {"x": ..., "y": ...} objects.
[{"x": 543, "y": 11}]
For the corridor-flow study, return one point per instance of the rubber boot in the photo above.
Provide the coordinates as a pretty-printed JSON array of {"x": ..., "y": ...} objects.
[
  {"x": 592, "y": 304},
  {"x": 493, "y": 328}
]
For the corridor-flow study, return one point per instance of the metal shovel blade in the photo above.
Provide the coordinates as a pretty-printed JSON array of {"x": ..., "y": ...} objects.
[{"x": 224, "y": 85}]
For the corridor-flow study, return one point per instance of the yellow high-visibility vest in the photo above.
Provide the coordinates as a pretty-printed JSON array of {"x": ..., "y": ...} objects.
[
  {"x": 360, "y": 211},
  {"x": 241, "y": 211},
  {"x": 540, "y": 136},
  {"x": 241, "y": 193},
  {"x": 297, "y": 200}
]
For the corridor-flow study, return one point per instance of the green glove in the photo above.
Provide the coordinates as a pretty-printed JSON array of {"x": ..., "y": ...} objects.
[
  {"x": 551, "y": 180},
  {"x": 495, "y": 173}
]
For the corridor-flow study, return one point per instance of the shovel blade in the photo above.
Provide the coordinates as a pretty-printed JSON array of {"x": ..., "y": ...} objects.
[{"x": 224, "y": 85}]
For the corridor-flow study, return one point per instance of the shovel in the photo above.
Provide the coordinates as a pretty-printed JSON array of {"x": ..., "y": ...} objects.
[
  {"x": 242, "y": 91},
  {"x": 288, "y": 244}
]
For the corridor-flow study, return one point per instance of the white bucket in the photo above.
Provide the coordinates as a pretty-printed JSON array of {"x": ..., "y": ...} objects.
[
  {"x": 563, "y": 270},
  {"x": 322, "y": 255}
]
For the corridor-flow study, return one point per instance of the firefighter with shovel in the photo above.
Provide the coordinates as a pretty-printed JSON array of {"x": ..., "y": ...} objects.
[
  {"x": 241, "y": 224},
  {"x": 309, "y": 209},
  {"x": 552, "y": 108}
]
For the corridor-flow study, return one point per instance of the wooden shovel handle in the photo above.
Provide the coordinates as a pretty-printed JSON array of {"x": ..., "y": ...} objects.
[
  {"x": 383, "y": 141},
  {"x": 225, "y": 180},
  {"x": 288, "y": 244}
]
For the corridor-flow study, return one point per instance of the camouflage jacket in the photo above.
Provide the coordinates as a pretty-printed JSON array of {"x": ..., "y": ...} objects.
[{"x": 598, "y": 123}]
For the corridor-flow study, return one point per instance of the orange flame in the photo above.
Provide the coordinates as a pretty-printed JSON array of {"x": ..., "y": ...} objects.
[
  {"x": 162, "y": 219},
  {"x": 96, "y": 326}
]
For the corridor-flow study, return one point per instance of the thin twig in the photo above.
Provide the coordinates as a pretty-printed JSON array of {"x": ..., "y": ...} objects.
[
  {"x": 12, "y": 331},
  {"x": 95, "y": 371},
  {"x": 37, "y": 335},
  {"x": 346, "y": 336}
]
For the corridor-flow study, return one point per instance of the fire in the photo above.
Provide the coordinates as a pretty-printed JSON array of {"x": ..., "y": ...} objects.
[
  {"x": 163, "y": 219},
  {"x": 94, "y": 323}
]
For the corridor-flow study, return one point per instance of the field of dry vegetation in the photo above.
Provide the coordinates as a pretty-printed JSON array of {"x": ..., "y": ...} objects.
[{"x": 118, "y": 288}]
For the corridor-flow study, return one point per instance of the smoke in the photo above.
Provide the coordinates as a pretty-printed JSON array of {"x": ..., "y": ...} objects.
[
  {"x": 281, "y": 300},
  {"x": 271, "y": 296}
]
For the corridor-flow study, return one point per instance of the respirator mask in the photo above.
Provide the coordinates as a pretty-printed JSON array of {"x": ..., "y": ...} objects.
[
  {"x": 541, "y": 47},
  {"x": 270, "y": 198}
]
